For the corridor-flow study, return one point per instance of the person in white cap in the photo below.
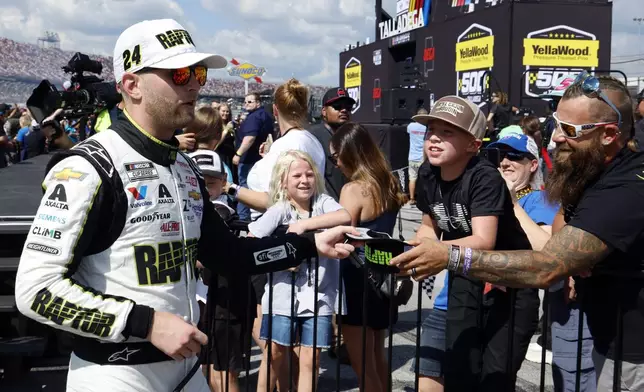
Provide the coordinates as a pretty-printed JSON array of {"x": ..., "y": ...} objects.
[{"x": 111, "y": 257}]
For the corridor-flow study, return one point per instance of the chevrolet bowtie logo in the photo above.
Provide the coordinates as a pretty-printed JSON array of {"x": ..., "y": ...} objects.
[
  {"x": 68, "y": 173},
  {"x": 123, "y": 355},
  {"x": 194, "y": 195}
]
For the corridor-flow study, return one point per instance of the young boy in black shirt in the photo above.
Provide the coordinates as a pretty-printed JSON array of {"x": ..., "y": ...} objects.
[{"x": 465, "y": 201}]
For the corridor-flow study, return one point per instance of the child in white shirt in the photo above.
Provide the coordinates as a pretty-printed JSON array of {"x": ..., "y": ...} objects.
[{"x": 297, "y": 194}]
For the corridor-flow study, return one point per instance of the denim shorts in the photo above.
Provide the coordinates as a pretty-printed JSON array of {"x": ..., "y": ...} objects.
[
  {"x": 281, "y": 330},
  {"x": 432, "y": 344}
]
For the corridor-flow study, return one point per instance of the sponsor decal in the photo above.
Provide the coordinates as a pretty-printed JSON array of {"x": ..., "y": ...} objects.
[
  {"x": 51, "y": 218},
  {"x": 192, "y": 181},
  {"x": 554, "y": 53},
  {"x": 194, "y": 195},
  {"x": 150, "y": 217},
  {"x": 474, "y": 58},
  {"x": 50, "y": 250},
  {"x": 123, "y": 355},
  {"x": 45, "y": 232},
  {"x": 197, "y": 209},
  {"x": 63, "y": 311},
  {"x": 139, "y": 194},
  {"x": 376, "y": 256},
  {"x": 67, "y": 174},
  {"x": 139, "y": 171},
  {"x": 410, "y": 15},
  {"x": 182, "y": 164},
  {"x": 161, "y": 263},
  {"x": 268, "y": 255},
  {"x": 58, "y": 198},
  {"x": 164, "y": 197},
  {"x": 353, "y": 81},
  {"x": 377, "y": 57},
  {"x": 246, "y": 71},
  {"x": 172, "y": 38},
  {"x": 171, "y": 228},
  {"x": 291, "y": 249}
]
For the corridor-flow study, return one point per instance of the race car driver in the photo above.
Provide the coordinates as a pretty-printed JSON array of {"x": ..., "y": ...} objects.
[{"x": 125, "y": 216}]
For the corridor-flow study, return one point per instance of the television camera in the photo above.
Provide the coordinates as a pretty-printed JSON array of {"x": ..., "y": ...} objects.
[{"x": 87, "y": 94}]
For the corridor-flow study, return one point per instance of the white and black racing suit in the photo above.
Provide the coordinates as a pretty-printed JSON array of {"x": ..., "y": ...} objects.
[{"x": 123, "y": 220}]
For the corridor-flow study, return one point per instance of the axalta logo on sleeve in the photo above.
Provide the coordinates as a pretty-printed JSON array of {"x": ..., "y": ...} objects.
[{"x": 58, "y": 198}]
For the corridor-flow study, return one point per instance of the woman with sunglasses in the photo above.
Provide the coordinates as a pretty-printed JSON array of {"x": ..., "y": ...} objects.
[{"x": 373, "y": 198}]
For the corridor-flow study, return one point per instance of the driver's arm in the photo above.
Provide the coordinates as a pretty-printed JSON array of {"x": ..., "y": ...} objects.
[
  {"x": 46, "y": 290},
  {"x": 223, "y": 252}
]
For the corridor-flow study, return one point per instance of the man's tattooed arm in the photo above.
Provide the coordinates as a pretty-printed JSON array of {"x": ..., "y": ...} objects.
[{"x": 568, "y": 252}]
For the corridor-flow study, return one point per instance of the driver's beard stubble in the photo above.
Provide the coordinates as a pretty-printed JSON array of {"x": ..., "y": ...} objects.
[
  {"x": 166, "y": 113},
  {"x": 574, "y": 171}
]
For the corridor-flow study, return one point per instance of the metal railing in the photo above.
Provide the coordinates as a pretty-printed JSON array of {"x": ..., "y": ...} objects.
[{"x": 239, "y": 227}]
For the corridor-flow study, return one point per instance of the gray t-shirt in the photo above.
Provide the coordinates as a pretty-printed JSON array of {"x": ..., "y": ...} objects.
[{"x": 284, "y": 213}]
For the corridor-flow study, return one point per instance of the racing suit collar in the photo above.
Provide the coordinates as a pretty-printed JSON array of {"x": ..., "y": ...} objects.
[{"x": 158, "y": 151}]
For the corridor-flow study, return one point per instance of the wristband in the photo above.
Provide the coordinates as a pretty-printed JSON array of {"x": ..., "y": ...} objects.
[
  {"x": 238, "y": 154},
  {"x": 454, "y": 258},
  {"x": 467, "y": 262}
]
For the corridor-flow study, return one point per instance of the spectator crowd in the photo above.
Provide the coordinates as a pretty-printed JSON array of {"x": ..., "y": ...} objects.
[{"x": 23, "y": 66}]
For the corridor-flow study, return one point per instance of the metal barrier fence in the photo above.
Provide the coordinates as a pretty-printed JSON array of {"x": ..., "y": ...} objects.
[{"x": 239, "y": 227}]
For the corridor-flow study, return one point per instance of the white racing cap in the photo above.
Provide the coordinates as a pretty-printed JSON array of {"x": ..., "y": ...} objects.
[
  {"x": 210, "y": 163},
  {"x": 160, "y": 43}
]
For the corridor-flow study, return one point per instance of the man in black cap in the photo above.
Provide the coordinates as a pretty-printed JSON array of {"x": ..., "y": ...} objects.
[{"x": 336, "y": 110}]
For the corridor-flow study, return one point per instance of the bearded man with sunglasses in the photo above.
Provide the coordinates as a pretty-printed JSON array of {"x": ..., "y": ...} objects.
[
  {"x": 111, "y": 256},
  {"x": 598, "y": 177}
]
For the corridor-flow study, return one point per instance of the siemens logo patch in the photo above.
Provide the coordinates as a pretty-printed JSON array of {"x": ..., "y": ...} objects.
[
  {"x": 272, "y": 254},
  {"x": 43, "y": 248},
  {"x": 52, "y": 218}
]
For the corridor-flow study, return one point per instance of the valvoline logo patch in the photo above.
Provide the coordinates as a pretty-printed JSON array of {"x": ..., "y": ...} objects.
[{"x": 139, "y": 192}]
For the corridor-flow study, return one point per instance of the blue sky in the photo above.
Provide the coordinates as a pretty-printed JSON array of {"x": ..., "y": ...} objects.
[{"x": 300, "y": 38}]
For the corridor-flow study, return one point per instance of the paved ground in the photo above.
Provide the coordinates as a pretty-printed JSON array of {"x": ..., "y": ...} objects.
[{"x": 404, "y": 342}]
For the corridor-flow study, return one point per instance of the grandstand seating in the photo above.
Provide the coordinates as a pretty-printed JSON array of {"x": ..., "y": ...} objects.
[{"x": 23, "y": 66}]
